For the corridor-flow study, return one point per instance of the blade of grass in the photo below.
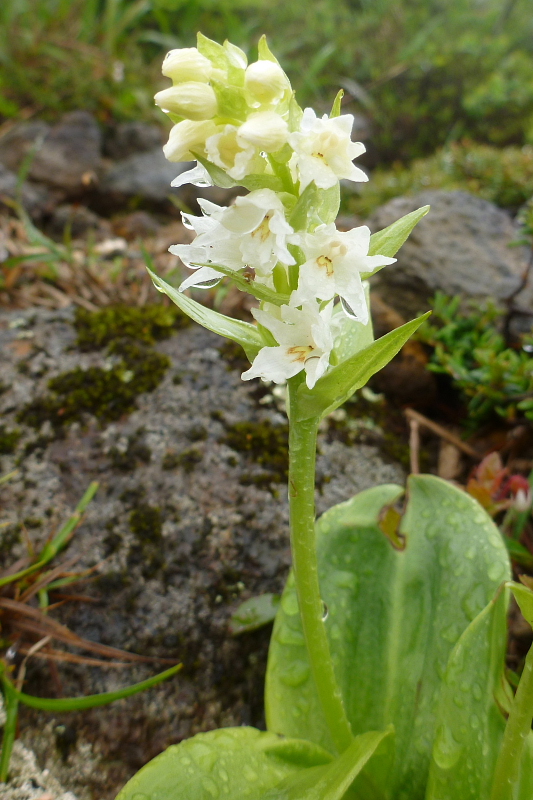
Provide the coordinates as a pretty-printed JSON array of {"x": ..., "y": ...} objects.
[
  {"x": 60, "y": 539},
  {"x": 10, "y": 728}
]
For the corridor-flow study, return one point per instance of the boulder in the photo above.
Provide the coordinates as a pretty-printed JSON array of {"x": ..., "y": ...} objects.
[
  {"x": 146, "y": 175},
  {"x": 127, "y": 138},
  {"x": 36, "y": 198},
  {"x": 190, "y": 519},
  {"x": 66, "y": 156},
  {"x": 463, "y": 246}
]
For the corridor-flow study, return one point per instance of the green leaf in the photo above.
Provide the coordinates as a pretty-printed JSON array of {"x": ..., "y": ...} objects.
[
  {"x": 241, "y": 332},
  {"x": 330, "y": 782},
  {"x": 336, "y": 107},
  {"x": 217, "y": 175},
  {"x": 306, "y": 202},
  {"x": 250, "y": 286},
  {"x": 388, "y": 241},
  {"x": 213, "y": 51},
  {"x": 230, "y": 100},
  {"x": 234, "y": 762},
  {"x": 342, "y": 381},
  {"x": 254, "y": 613},
  {"x": 62, "y": 537},
  {"x": 329, "y": 203},
  {"x": 352, "y": 336},
  {"x": 264, "y": 53},
  {"x": 91, "y": 700},
  {"x": 262, "y": 181},
  {"x": 394, "y": 617},
  {"x": 469, "y": 722},
  {"x": 524, "y": 598}
]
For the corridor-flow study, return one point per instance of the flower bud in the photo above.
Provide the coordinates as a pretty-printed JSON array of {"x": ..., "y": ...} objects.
[
  {"x": 187, "y": 64},
  {"x": 187, "y": 136},
  {"x": 192, "y": 100},
  {"x": 265, "y": 82},
  {"x": 265, "y": 130}
]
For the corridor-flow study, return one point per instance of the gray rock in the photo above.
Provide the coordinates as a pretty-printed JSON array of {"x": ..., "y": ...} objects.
[
  {"x": 145, "y": 175},
  {"x": 168, "y": 590},
  {"x": 128, "y": 138},
  {"x": 27, "y": 781},
  {"x": 35, "y": 198},
  {"x": 67, "y": 155},
  {"x": 463, "y": 246}
]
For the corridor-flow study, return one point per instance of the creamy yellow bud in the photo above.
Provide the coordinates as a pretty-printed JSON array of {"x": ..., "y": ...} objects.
[
  {"x": 192, "y": 100},
  {"x": 265, "y": 130},
  {"x": 187, "y": 64},
  {"x": 265, "y": 82},
  {"x": 188, "y": 136}
]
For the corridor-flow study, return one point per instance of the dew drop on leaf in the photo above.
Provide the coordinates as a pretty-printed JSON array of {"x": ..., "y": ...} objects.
[
  {"x": 289, "y": 603},
  {"x": 325, "y": 612},
  {"x": 447, "y": 749},
  {"x": 295, "y": 674}
]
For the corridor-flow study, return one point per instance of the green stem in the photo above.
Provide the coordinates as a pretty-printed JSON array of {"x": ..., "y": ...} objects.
[
  {"x": 10, "y": 729},
  {"x": 302, "y": 456},
  {"x": 507, "y": 772}
]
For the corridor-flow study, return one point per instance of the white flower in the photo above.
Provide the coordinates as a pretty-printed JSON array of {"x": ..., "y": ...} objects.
[
  {"x": 187, "y": 64},
  {"x": 193, "y": 100},
  {"x": 265, "y": 83},
  {"x": 197, "y": 176},
  {"x": 188, "y": 136},
  {"x": 323, "y": 150},
  {"x": 236, "y": 157},
  {"x": 265, "y": 130},
  {"x": 251, "y": 233},
  {"x": 304, "y": 339},
  {"x": 335, "y": 261}
]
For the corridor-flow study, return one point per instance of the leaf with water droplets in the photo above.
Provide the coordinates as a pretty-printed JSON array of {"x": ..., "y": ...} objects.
[
  {"x": 228, "y": 763},
  {"x": 254, "y": 613},
  {"x": 393, "y": 627}
]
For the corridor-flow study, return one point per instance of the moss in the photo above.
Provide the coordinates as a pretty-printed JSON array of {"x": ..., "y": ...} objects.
[
  {"x": 4, "y": 387},
  {"x": 234, "y": 355},
  {"x": 107, "y": 394},
  {"x": 146, "y": 523},
  {"x": 33, "y": 522},
  {"x": 266, "y": 444},
  {"x": 148, "y": 324},
  {"x": 189, "y": 458},
  {"x": 197, "y": 433},
  {"x": 171, "y": 460},
  {"x": 8, "y": 440}
]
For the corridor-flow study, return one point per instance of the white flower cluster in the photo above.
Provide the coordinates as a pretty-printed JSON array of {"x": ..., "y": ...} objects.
[{"x": 244, "y": 121}]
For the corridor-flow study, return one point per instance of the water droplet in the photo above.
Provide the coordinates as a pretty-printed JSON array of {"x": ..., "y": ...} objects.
[
  {"x": 477, "y": 691},
  {"x": 295, "y": 674},
  {"x": 289, "y": 603},
  {"x": 432, "y": 530},
  {"x": 495, "y": 572},
  {"x": 210, "y": 786},
  {"x": 223, "y": 775},
  {"x": 474, "y": 601},
  {"x": 470, "y": 553},
  {"x": 344, "y": 579},
  {"x": 250, "y": 775},
  {"x": 335, "y": 632},
  {"x": 447, "y": 749},
  {"x": 426, "y": 514},
  {"x": 474, "y": 722},
  {"x": 287, "y": 635},
  {"x": 450, "y": 633},
  {"x": 325, "y": 612}
]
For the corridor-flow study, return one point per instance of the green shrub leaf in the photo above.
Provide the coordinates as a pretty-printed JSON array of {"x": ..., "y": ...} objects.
[{"x": 394, "y": 617}]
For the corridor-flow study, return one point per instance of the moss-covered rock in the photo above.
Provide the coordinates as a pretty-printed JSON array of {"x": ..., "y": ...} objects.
[{"x": 148, "y": 324}]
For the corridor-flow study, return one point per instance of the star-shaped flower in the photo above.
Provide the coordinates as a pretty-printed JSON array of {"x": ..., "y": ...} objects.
[
  {"x": 305, "y": 341},
  {"x": 323, "y": 150},
  {"x": 335, "y": 261}
]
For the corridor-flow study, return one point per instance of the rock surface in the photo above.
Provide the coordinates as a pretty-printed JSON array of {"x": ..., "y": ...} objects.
[
  {"x": 215, "y": 532},
  {"x": 463, "y": 246},
  {"x": 28, "y": 781},
  {"x": 147, "y": 175}
]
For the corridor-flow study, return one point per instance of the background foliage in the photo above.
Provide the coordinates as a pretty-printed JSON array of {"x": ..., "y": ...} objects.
[{"x": 426, "y": 72}]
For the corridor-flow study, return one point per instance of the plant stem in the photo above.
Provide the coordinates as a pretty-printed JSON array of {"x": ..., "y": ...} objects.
[
  {"x": 11, "y": 706},
  {"x": 518, "y": 727},
  {"x": 302, "y": 457}
]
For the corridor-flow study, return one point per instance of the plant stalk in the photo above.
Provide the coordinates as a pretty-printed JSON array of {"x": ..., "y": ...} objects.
[
  {"x": 302, "y": 457},
  {"x": 11, "y": 707},
  {"x": 518, "y": 727}
]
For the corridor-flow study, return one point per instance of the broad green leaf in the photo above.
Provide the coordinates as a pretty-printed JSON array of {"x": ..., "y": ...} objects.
[
  {"x": 336, "y": 107},
  {"x": 245, "y": 285},
  {"x": 342, "y": 381},
  {"x": 388, "y": 241},
  {"x": 251, "y": 182},
  {"x": 241, "y": 763},
  {"x": 254, "y": 613},
  {"x": 262, "y": 181},
  {"x": 332, "y": 781},
  {"x": 394, "y": 617},
  {"x": 91, "y": 700},
  {"x": 328, "y": 205},
  {"x": 241, "y": 332},
  {"x": 469, "y": 722}
]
